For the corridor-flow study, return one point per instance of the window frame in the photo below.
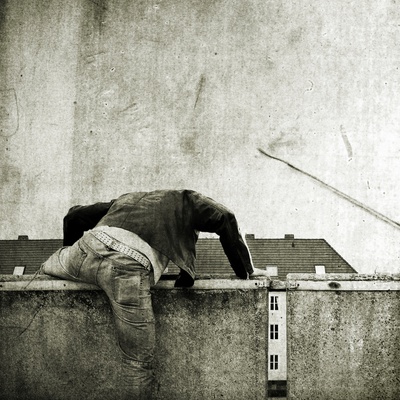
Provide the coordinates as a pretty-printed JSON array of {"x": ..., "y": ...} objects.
[
  {"x": 273, "y": 303},
  {"x": 273, "y": 362},
  {"x": 274, "y": 331}
]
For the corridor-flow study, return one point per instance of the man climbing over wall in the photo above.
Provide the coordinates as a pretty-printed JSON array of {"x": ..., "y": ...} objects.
[{"x": 124, "y": 246}]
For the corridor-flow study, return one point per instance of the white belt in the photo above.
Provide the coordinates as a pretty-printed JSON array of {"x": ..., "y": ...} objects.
[{"x": 118, "y": 246}]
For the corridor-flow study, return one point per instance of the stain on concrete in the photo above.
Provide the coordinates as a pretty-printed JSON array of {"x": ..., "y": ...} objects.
[
  {"x": 93, "y": 57},
  {"x": 269, "y": 63},
  {"x": 10, "y": 180},
  {"x": 296, "y": 35},
  {"x": 100, "y": 3},
  {"x": 285, "y": 139},
  {"x": 189, "y": 142},
  {"x": 9, "y": 112}
]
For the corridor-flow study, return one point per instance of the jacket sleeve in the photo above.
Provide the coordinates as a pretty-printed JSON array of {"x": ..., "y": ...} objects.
[
  {"x": 82, "y": 218},
  {"x": 210, "y": 216}
]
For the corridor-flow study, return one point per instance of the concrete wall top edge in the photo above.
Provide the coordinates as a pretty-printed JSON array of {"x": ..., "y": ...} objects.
[
  {"x": 47, "y": 283},
  {"x": 343, "y": 277},
  {"x": 350, "y": 282},
  {"x": 331, "y": 282}
]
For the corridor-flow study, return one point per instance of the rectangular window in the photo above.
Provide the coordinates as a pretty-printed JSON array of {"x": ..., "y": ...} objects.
[
  {"x": 19, "y": 270},
  {"x": 274, "y": 303},
  {"x": 273, "y": 331},
  {"x": 272, "y": 270},
  {"x": 273, "y": 361},
  {"x": 320, "y": 269}
]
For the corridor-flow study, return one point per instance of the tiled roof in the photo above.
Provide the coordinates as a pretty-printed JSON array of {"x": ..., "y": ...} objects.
[
  {"x": 289, "y": 255},
  {"x": 26, "y": 253}
]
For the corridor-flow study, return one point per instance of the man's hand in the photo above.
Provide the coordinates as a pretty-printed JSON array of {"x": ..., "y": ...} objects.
[
  {"x": 259, "y": 272},
  {"x": 184, "y": 280}
]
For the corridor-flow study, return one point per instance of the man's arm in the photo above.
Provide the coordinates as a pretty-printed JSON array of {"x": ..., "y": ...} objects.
[{"x": 210, "y": 216}]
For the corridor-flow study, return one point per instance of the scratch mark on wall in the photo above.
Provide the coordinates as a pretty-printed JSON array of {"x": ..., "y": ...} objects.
[
  {"x": 310, "y": 89},
  {"x": 9, "y": 113},
  {"x": 200, "y": 88},
  {"x": 130, "y": 106},
  {"x": 346, "y": 143}
]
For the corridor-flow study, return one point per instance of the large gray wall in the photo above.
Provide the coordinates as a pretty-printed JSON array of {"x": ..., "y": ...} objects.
[
  {"x": 62, "y": 345},
  {"x": 344, "y": 343},
  {"x": 343, "y": 339},
  {"x": 102, "y": 97}
]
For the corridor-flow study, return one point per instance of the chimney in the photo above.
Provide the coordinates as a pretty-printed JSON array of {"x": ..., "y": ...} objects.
[
  {"x": 23, "y": 237},
  {"x": 249, "y": 236},
  {"x": 289, "y": 236}
]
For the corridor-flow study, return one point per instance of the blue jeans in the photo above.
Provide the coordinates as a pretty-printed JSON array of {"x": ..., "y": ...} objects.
[{"x": 127, "y": 285}]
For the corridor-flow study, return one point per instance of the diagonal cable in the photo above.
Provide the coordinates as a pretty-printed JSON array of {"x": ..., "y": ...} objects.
[{"x": 336, "y": 191}]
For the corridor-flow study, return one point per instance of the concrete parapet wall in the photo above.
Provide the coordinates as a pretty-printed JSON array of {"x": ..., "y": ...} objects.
[
  {"x": 58, "y": 341},
  {"x": 343, "y": 337}
]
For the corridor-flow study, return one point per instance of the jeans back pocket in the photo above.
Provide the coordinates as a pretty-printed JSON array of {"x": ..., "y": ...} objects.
[{"x": 126, "y": 287}]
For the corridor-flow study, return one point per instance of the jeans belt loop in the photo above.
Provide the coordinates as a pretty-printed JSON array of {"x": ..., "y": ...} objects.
[{"x": 120, "y": 247}]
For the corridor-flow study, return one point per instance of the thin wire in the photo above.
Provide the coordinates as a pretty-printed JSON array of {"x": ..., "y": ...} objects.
[
  {"x": 338, "y": 192},
  {"x": 34, "y": 277}
]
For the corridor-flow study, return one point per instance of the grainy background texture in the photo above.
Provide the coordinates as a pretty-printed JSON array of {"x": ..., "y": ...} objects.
[{"x": 102, "y": 97}]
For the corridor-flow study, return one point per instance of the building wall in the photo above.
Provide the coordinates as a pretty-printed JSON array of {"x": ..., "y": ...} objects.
[
  {"x": 277, "y": 345},
  {"x": 101, "y": 97},
  {"x": 343, "y": 338},
  {"x": 60, "y": 344}
]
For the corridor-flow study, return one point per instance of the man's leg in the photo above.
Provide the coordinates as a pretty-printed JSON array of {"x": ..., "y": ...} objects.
[
  {"x": 78, "y": 262},
  {"x": 65, "y": 263},
  {"x": 128, "y": 288},
  {"x": 127, "y": 285}
]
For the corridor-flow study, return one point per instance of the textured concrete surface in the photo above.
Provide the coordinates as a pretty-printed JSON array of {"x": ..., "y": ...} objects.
[
  {"x": 225, "y": 357},
  {"x": 344, "y": 344},
  {"x": 61, "y": 345},
  {"x": 100, "y": 97},
  {"x": 57, "y": 345}
]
